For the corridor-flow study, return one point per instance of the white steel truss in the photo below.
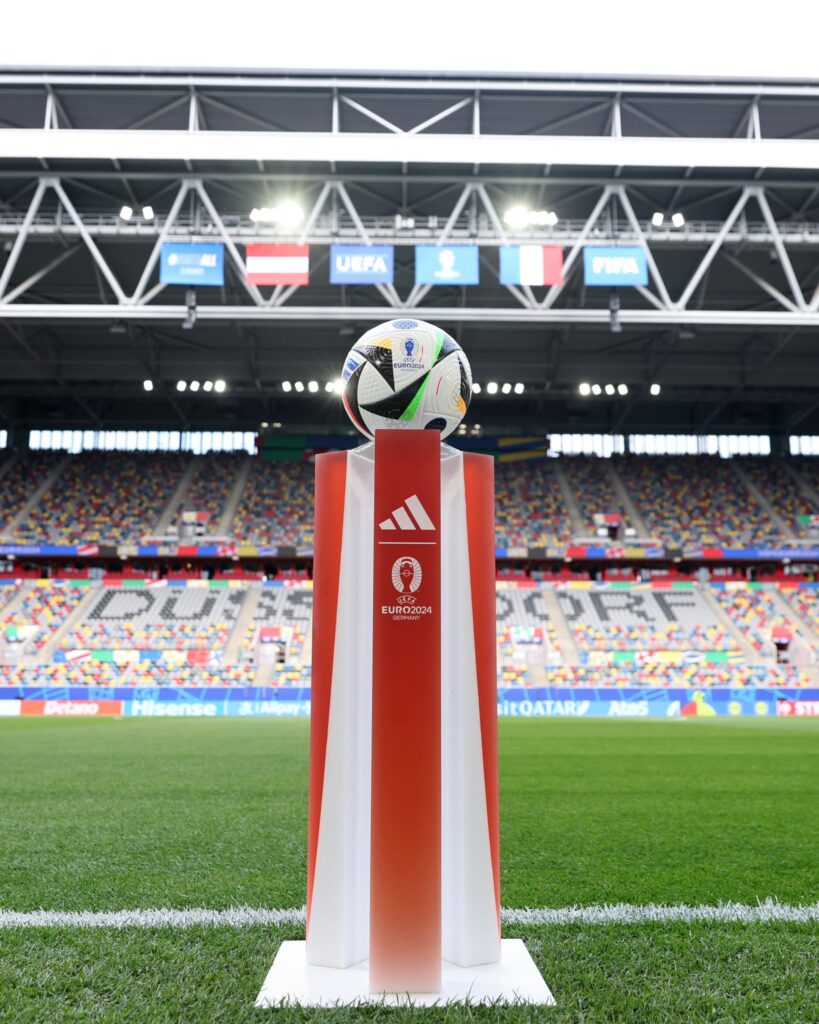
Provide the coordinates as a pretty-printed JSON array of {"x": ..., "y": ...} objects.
[{"x": 474, "y": 218}]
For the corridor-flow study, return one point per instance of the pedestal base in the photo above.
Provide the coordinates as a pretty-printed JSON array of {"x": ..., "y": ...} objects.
[{"x": 292, "y": 981}]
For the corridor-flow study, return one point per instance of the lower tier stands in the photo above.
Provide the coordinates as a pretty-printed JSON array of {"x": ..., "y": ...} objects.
[{"x": 242, "y": 633}]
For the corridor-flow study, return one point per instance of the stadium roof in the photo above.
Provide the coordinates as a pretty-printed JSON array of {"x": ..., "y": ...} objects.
[{"x": 726, "y": 325}]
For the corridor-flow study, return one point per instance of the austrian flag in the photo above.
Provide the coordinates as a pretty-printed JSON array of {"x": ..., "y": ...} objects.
[
  {"x": 278, "y": 264},
  {"x": 531, "y": 264}
]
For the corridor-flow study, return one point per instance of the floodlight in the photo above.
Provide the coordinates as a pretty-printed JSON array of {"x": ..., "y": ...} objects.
[
  {"x": 147, "y": 213},
  {"x": 219, "y": 386},
  {"x": 338, "y": 386},
  {"x": 609, "y": 389},
  {"x": 657, "y": 220},
  {"x": 476, "y": 389},
  {"x": 181, "y": 385},
  {"x": 313, "y": 386},
  {"x": 286, "y": 385},
  {"x": 518, "y": 389},
  {"x": 492, "y": 388},
  {"x": 677, "y": 219},
  {"x": 585, "y": 389},
  {"x": 506, "y": 388},
  {"x": 126, "y": 212},
  {"x": 299, "y": 386},
  {"x": 148, "y": 385},
  {"x": 622, "y": 389},
  {"x": 596, "y": 389},
  {"x": 208, "y": 385},
  {"x": 655, "y": 389},
  {"x": 516, "y": 217},
  {"x": 329, "y": 386},
  {"x": 194, "y": 385}
]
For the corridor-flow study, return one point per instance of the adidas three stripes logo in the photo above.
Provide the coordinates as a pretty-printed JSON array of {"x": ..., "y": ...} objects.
[{"x": 402, "y": 520}]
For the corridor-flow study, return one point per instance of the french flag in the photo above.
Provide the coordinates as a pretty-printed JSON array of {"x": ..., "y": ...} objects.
[
  {"x": 278, "y": 264},
  {"x": 531, "y": 264}
]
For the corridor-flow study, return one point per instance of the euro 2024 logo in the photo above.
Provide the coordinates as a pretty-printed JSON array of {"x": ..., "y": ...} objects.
[{"x": 406, "y": 577}]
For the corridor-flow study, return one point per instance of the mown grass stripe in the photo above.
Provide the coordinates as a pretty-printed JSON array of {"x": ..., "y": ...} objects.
[{"x": 244, "y": 917}]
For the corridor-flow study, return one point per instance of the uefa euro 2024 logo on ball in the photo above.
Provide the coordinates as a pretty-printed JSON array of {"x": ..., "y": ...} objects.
[{"x": 406, "y": 374}]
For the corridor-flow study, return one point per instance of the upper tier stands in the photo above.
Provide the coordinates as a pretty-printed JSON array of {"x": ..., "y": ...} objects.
[
  {"x": 591, "y": 481},
  {"x": 530, "y": 511},
  {"x": 695, "y": 499},
  {"x": 105, "y": 497},
  {"x": 19, "y": 482},
  {"x": 212, "y": 484},
  {"x": 276, "y": 507},
  {"x": 112, "y": 497}
]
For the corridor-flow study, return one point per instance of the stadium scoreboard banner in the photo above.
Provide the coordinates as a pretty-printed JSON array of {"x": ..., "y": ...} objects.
[{"x": 514, "y": 702}]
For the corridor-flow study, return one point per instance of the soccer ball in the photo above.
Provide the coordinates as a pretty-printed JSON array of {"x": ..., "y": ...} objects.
[{"x": 406, "y": 374}]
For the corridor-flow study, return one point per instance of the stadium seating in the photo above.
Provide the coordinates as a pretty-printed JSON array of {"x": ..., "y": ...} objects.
[
  {"x": 695, "y": 500},
  {"x": 20, "y": 482},
  {"x": 530, "y": 511},
  {"x": 45, "y": 607},
  {"x": 276, "y": 507},
  {"x": 210, "y": 489},
  {"x": 590, "y": 480},
  {"x": 104, "y": 497},
  {"x": 755, "y": 612},
  {"x": 278, "y": 635},
  {"x": 617, "y": 619},
  {"x": 781, "y": 490},
  {"x": 158, "y": 618}
]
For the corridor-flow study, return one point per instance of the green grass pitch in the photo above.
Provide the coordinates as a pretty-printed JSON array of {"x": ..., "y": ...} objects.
[{"x": 114, "y": 814}]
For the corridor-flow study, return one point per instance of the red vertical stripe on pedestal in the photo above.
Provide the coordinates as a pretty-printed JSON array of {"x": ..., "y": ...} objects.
[
  {"x": 479, "y": 482},
  {"x": 405, "y": 882},
  {"x": 331, "y": 480}
]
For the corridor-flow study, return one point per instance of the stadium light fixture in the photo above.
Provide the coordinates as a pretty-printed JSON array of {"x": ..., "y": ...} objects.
[
  {"x": 609, "y": 389},
  {"x": 219, "y": 385},
  {"x": 286, "y": 385},
  {"x": 622, "y": 389},
  {"x": 657, "y": 220},
  {"x": 338, "y": 386},
  {"x": 506, "y": 389},
  {"x": 287, "y": 214},
  {"x": 208, "y": 385},
  {"x": 148, "y": 385},
  {"x": 126, "y": 212},
  {"x": 329, "y": 386},
  {"x": 147, "y": 213},
  {"x": 678, "y": 220},
  {"x": 181, "y": 385},
  {"x": 492, "y": 388},
  {"x": 520, "y": 217},
  {"x": 476, "y": 388},
  {"x": 655, "y": 389},
  {"x": 194, "y": 385},
  {"x": 312, "y": 386},
  {"x": 584, "y": 389},
  {"x": 596, "y": 389},
  {"x": 518, "y": 389},
  {"x": 299, "y": 386},
  {"x": 516, "y": 217}
]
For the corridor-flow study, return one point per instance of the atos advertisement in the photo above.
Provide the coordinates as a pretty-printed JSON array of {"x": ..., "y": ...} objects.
[
  {"x": 361, "y": 264},
  {"x": 192, "y": 263},
  {"x": 614, "y": 265}
]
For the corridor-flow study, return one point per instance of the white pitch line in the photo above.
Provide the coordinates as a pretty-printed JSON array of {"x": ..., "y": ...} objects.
[{"x": 245, "y": 917}]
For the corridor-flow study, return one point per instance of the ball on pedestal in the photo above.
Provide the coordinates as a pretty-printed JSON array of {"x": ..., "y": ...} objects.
[{"x": 406, "y": 374}]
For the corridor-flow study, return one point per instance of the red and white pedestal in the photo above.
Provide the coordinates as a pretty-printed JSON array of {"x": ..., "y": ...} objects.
[{"x": 403, "y": 887}]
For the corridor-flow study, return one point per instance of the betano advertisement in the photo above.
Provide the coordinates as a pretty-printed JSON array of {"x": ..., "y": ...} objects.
[{"x": 286, "y": 702}]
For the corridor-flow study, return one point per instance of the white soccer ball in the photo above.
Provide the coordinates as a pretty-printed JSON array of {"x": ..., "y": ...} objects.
[{"x": 406, "y": 374}]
